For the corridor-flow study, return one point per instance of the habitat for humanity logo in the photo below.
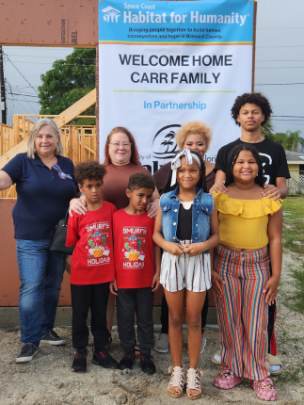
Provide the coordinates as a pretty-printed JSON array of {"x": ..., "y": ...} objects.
[{"x": 111, "y": 14}]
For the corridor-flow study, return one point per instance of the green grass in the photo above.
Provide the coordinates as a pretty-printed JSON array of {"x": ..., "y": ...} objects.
[
  {"x": 293, "y": 230},
  {"x": 293, "y": 208},
  {"x": 295, "y": 300},
  {"x": 291, "y": 376}
]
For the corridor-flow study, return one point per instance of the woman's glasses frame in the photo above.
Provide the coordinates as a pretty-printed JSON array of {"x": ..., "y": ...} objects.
[{"x": 123, "y": 144}]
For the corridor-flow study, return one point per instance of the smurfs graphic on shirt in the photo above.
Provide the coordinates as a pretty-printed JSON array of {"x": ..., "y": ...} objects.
[
  {"x": 134, "y": 250},
  {"x": 98, "y": 245}
]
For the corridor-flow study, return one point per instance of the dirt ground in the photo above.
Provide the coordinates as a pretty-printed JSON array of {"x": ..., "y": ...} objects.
[{"x": 48, "y": 379}]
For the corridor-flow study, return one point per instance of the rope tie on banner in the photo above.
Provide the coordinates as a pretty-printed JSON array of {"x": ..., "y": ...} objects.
[{"x": 176, "y": 162}]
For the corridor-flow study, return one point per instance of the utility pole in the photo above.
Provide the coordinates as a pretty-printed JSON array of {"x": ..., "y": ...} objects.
[{"x": 2, "y": 85}]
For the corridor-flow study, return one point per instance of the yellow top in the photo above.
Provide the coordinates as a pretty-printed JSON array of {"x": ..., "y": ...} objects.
[{"x": 243, "y": 223}]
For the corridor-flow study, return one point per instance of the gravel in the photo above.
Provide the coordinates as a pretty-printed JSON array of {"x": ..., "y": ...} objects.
[{"x": 49, "y": 380}]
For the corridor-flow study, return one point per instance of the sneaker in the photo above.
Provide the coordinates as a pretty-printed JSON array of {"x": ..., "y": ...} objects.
[
  {"x": 103, "y": 358},
  {"x": 127, "y": 360},
  {"x": 28, "y": 351},
  {"x": 147, "y": 365},
  {"x": 203, "y": 345},
  {"x": 216, "y": 358},
  {"x": 52, "y": 339},
  {"x": 80, "y": 360},
  {"x": 162, "y": 343}
]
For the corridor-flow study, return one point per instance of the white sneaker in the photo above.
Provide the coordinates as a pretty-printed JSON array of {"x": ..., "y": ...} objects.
[
  {"x": 216, "y": 358},
  {"x": 162, "y": 343}
]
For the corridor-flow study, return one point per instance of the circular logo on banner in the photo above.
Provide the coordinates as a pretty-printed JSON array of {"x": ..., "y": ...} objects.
[{"x": 163, "y": 144}]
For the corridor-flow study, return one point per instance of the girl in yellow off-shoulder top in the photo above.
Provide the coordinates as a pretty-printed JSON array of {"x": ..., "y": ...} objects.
[{"x": 248, "y": 226}]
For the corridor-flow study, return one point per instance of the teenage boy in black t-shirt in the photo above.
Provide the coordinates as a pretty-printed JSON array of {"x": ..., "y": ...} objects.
[{"x": 251, "y": 111}]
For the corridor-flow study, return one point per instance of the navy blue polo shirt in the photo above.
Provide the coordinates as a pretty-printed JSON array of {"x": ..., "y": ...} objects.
[{"x": 42, "y": 196}]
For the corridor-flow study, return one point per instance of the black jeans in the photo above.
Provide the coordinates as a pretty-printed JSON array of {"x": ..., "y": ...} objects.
[
  {"x": 129, "y": 301},
  {"x": 94, "y": 297},
  {"x": 164, "y": 315}
]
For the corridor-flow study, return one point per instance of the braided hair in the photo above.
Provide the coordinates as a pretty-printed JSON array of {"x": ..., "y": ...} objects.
[
  {"x": 233, "y": 155},
  {"x": 202, "y": 181}
]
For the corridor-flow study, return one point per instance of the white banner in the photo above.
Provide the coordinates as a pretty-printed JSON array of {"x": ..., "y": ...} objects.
[{"x": 164, "y": 63}]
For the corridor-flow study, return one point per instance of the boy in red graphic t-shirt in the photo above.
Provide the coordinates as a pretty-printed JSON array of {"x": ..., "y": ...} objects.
[
  {"x": 137, "y": 269},
  {"x": 92, "y": 267}
]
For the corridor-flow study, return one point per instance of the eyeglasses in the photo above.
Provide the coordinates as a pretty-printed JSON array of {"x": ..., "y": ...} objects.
[
  {"x": 124, "y": 144},
  {"x": 62, "y": 175}
]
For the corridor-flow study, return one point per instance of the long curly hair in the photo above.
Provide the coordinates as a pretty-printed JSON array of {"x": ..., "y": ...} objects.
[
  {"x": 202, "y": 181},
  {"x": 260, "y": 179},
  {"x": 134, "y": 151},
  {"x": 193, "y": 127},
  {"x": 251, "y": 98}
]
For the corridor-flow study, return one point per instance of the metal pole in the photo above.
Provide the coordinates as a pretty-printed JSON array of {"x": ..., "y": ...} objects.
[{"x": 3, "y": 99}]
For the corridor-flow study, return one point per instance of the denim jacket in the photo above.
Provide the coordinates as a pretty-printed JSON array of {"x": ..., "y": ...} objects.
[{"x": 202, "y": 208}]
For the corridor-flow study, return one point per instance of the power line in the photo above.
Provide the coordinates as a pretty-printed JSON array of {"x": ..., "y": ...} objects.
[
  {"x": 281, "y": 60},
  {"x": 21, "y": 73},
  {"x": 48, "y": 56},
  {"x": 277, "y": 84},
  {"x": 278, "y": 28},
  {"x": 288, "y": 116},
  {"x": 23, "y": 94},
  {"x": 281, "y": 46},
  {"x": 281, "y": 67},
  {"x": 50, "y": 63},
  {"x": 27, "y": 101}
]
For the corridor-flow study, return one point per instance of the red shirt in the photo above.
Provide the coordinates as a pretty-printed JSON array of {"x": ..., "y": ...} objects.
[
  {"x": 133, "y": 249},
  {"x": 92, "y": 259}
]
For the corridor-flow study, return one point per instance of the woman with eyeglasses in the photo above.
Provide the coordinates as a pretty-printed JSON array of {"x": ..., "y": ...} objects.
[
  {"x": 45, "y": 185},
  {"x": 121, "y": 159}
]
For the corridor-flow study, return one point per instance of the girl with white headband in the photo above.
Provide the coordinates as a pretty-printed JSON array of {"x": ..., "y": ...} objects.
[{"x": 186, "y": 228}]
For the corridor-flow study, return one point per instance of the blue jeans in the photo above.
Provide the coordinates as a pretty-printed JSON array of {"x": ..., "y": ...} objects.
[{"x": 41, "y": 274}]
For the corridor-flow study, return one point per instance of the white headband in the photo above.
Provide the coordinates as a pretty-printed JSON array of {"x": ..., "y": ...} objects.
[{"x": 176, "y": 162}]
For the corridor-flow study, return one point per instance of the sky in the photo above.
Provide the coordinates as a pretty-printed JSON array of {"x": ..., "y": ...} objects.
[{"x": 279, "y": 66}]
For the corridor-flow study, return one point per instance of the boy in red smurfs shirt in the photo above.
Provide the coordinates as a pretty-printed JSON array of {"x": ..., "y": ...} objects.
[
  {"x": 137, "y": 268},
  {"x": 92, "y": 267}
]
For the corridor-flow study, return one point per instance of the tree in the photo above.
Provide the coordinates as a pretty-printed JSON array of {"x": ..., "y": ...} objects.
[
  {"x": 293, "y": 140},
  {"x": 290, "y": 140},
  {"x": 267, "y": 130},
  {"x": 67, "y": 82}
]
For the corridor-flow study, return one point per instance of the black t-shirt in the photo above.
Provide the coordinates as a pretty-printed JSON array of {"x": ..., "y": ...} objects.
[{"x": 271, "y": 153}]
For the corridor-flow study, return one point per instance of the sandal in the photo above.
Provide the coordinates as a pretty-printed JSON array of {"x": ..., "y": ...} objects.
[
  {"x": 176, "y": 380},
  {"x": 226, "y": 379},
  {"x": 265, "y": 389},
  {"x": 194, "y": 383}
]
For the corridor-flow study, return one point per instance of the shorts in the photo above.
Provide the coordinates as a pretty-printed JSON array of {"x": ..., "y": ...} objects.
[{"x": 179, "y": 272}]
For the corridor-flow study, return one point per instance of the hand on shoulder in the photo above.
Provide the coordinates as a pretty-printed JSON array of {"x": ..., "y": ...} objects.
[
  {"x": 271, "y": 191},
  {"x": 218, "y": 187}
]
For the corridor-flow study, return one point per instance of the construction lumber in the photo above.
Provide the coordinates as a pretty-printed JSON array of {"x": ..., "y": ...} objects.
[{"x": 62, "y": 119}]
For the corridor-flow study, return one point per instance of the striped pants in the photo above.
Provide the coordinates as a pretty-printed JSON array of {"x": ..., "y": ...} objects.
[{"x": 242, "y": 311}]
